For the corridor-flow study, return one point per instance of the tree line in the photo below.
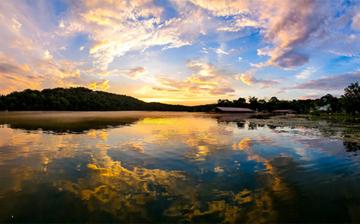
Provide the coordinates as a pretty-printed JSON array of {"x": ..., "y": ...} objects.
[
  {"x": 349, "y": 103},
  {"x": 77, "y": 99},
  {"x": 83, "y": 99}
]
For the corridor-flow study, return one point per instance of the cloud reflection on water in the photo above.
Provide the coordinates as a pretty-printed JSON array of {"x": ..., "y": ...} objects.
[{"x": 190, "y": 167}]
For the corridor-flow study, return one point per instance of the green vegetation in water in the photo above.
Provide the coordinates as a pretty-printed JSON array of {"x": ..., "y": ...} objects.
[{"x": 342, "y": 127}]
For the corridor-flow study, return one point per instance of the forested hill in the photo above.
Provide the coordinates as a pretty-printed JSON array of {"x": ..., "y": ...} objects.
[{"x": 78, "y": 99}]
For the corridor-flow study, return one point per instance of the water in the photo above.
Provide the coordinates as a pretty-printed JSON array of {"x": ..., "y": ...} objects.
[{"x": 173, "y": 167}]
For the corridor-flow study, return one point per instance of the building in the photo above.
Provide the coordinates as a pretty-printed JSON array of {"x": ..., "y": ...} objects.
[
  {"x": 233, "y": 110},
  {"x": 287, "y": 111},
  {"x": 324, "y": 108}
]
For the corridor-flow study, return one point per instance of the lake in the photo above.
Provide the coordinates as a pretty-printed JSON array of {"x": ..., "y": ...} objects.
[{"x": 177, "y": 167}]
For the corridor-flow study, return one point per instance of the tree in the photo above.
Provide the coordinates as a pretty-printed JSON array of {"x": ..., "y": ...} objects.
[
  {"x": 253, "y": 101},
  {"x": 330, "y": 101},
  {"x": 351, "y": 98},
  {"x": 273, "y": 103},
  {"x": 241, "y": 102},
  {"x": 77, "y": 99},
  {"x": 274, "y": 100},
  {"x": 225, "y": 102}
]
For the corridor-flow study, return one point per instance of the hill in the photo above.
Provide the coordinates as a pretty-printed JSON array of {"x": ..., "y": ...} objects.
[{"x": 78, "y": 99}]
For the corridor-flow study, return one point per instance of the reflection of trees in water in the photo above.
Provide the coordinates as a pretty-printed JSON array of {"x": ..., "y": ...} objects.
[
  {"x": 252, "y": 126},
  {"x": 59, "y": 126},
  {"x": 351, "y": 146},
  {"x": 272, "y": 126},
  {"x": 240, "y": 124},
  {"x": 261, "y": 125}
]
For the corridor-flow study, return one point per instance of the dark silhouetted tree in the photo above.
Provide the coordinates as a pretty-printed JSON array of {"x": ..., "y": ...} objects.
[{"x": 351, "y": 98}]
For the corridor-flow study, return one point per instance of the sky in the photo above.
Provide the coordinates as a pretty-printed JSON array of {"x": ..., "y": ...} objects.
[{"x": 181, "y": 52}]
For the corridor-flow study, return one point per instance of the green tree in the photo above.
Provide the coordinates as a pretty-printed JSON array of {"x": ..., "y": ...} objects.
[{"x": 351, "y": 98}]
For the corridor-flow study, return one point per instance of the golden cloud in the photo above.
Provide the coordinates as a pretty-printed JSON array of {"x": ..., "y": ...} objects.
[
  {"x": 206, "y": 81},
  {"x": 102, "y": 85}
]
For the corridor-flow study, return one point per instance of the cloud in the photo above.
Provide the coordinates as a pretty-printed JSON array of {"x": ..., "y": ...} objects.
[
  {"x": 222, "y": 91},
  {"x": 15, "y": 76},
  {"x": 356, "y": 22},
  {"x": 249, "y": 79},
  {"x": 221, "y": 51},
  {"x": 47, "y": 55},
  {"x": 136, "y": 72},
  {"x": 311, "y": 96},
  {"x": 101, "y": 85},
  {"x": 338, "y": 82},
  {"x": 286, "y": 25},
  {"x": 306, "y": 73},
  {"x": 224, "y": 7},
  {"x": 40, "y": 73},
  {"x": 205, "y": 82},
  {"x": 29, "y": 50},
  {"x": 132, "y": 73},
  {"x": 6, "y": 67},
  {"x": 118, "y": 27}
]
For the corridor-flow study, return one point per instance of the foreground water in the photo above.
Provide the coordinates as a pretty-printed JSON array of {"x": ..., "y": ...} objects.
[{"x": 174, "y": 167}]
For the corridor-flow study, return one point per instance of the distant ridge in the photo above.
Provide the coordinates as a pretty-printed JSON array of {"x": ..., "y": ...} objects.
[{"x": 79, "y": 99}]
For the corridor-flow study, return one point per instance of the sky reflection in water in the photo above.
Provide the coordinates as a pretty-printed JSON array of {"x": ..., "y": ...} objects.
[{"x": 172, "y": 167}]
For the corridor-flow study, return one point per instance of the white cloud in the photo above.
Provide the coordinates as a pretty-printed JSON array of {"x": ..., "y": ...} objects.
[
  {"x": 221, "y": 51},
  {"x": 306, "y": 73},
  {"x": 117, "y": 28},
  {"x": 47, "y": 55}
]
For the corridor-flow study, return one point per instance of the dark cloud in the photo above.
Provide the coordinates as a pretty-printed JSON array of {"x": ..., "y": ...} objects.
[
  {"x": 331, "y": 83},
  {"x": 291, "y": 59}
]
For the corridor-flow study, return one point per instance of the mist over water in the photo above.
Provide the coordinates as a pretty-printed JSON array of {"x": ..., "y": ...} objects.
[{"x": 175, "y": 167}]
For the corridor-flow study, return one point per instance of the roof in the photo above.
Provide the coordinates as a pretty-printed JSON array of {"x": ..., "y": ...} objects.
[
  {"x": 234, "y": 109},
  {"x": 284, "y": 111}
]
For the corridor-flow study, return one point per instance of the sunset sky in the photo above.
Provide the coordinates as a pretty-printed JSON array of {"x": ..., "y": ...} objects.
[{"x": 186, "y": 52}]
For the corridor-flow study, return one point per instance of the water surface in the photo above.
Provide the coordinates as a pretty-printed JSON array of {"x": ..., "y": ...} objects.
[{"x": 174, "y": 167}]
